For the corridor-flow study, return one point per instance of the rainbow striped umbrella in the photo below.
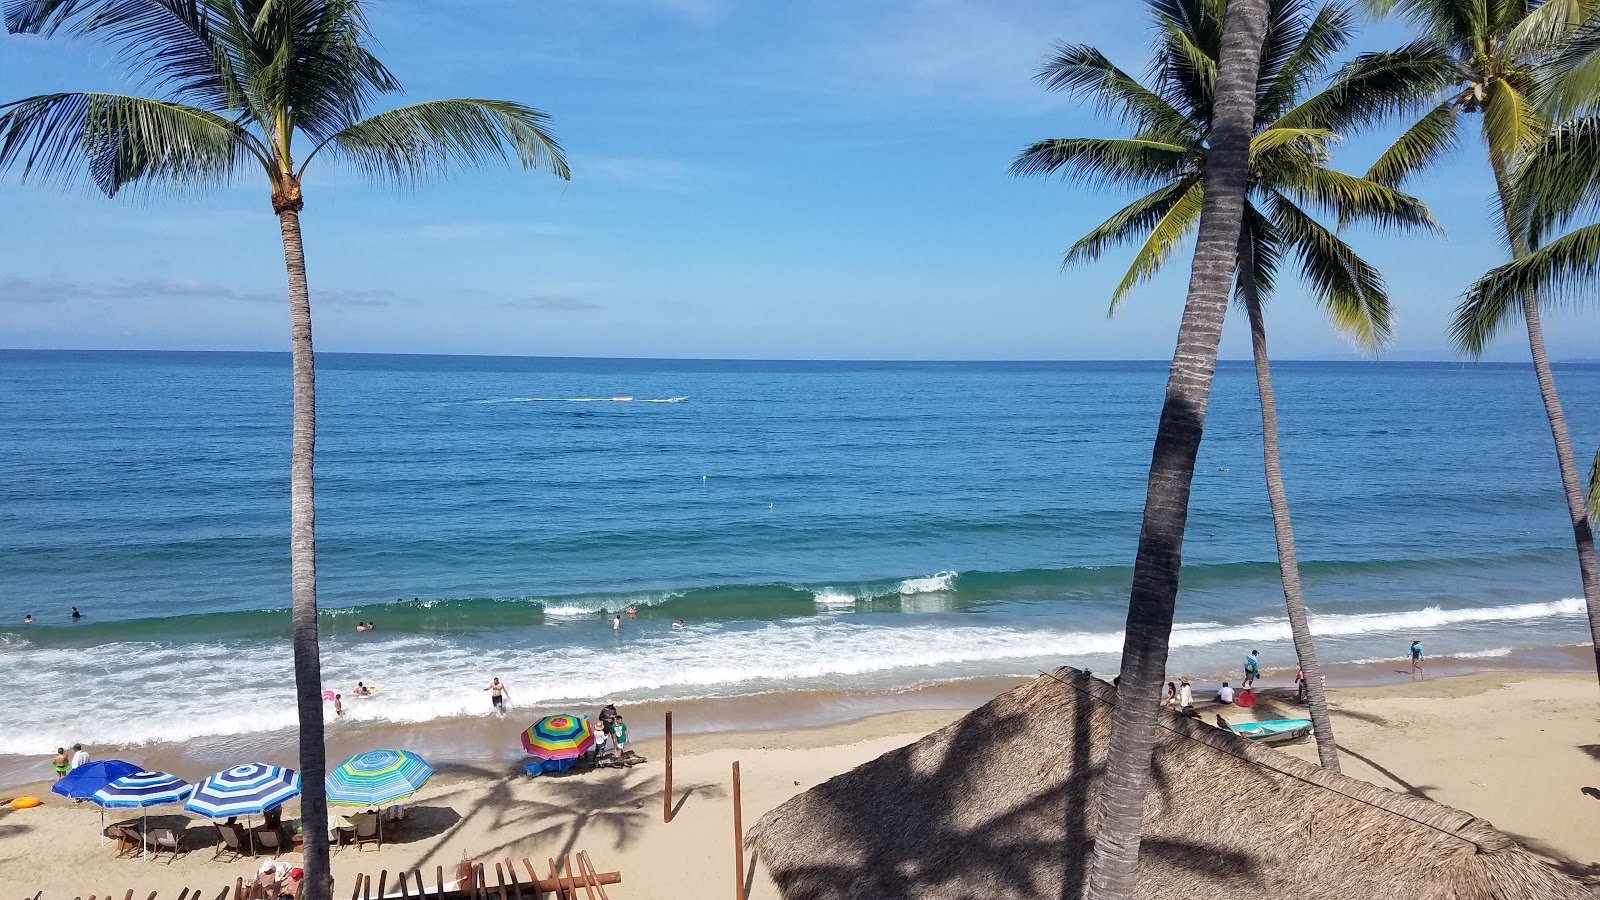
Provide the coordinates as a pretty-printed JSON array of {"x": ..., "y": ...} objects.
[
  {"x": 244, "y": 791},
  {"x": 558, "y": 737},
  {"x": 377, "y": 777}
]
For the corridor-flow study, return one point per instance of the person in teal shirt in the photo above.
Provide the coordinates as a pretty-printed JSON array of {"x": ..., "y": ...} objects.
[{"x": 1252, "y": 669}]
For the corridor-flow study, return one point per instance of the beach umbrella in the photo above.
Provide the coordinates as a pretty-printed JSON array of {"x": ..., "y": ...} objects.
[
  {"x": 558, "y": 737},
  {"x": 377, "y": 777},
  {"x": 143, "y": 790},
  {"x": 244, "y": 791},
  {"x": 82, "y": 782}
]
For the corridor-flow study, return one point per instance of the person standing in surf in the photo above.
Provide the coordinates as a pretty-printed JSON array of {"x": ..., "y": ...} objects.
[
  {"x": 498, "y": 695},
  {"x": 1416, "y": 661}
]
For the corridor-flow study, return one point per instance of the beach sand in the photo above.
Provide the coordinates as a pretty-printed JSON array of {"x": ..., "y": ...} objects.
[{"x": 1516, "y": 749}]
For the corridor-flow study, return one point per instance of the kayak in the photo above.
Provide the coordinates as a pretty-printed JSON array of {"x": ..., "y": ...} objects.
[{"x": 1274, "y": 731}]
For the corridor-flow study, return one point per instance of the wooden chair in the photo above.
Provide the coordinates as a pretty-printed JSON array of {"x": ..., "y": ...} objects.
[
  {"x": 269, "y": 841},
  {"x": 128, "y": 841},
  {"x": 367, "y": 829}
]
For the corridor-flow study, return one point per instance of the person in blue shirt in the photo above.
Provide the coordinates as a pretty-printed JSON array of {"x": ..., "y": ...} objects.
[
  {"x": 1416, "y": 661},
  {"x": 1252, "y": 669}
]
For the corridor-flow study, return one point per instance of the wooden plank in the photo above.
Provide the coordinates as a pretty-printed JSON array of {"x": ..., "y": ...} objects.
[
  {"x": 438, "y": 875},
  {"x": 500, "y": 879},
  {"x": 666, "y": 793},
  {"x": 383, "y": 881}
]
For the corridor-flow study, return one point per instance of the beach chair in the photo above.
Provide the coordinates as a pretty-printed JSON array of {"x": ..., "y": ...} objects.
[
  {"x": 367, "y": 829},
  {"x": 165, "y": 840},
  {"x": 128, "y": 841},
  {"x": 230, "y": 839},
  {"x": 269, "y": 841}
]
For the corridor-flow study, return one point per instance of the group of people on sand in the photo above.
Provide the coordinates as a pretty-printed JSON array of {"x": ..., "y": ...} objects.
[{"x": 1180, "y": 694}]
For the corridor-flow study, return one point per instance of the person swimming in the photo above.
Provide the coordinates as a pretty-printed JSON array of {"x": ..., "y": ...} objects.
[
  {"x": 75, "y": 614},
  {"x": 680, "y": 624},
  {"x": 363, "y": 691},
  {"x": 27, "y": 619}
]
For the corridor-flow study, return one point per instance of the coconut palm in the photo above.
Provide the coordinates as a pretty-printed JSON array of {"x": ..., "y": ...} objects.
[
  {"x": 233, "y": 84},
  {"x": 1557, "y": 182},
  {"x": 1114, "y": 869},
  {"x": 1288, "y": 173},
  {"x": 1489, "y": 54}
]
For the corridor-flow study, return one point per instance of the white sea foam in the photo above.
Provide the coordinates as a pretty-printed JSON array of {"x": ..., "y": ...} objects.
[
  {"x": 130, "y": 693},
  {"x": 834, "y": 597},
  {"x": 930, "y": 585}
]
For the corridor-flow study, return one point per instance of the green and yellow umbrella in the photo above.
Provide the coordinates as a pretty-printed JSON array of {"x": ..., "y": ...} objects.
[
  {"x": 558, "y": 737},
  {"x": 377, "y": 777}
]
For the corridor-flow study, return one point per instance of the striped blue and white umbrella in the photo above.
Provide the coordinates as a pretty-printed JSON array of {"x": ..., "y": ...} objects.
[
  {"x": 244, "y": 791},
  {"x": 143, "y": 789}
]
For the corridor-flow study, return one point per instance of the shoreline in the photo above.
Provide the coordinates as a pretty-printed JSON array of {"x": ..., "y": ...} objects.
[{"x": 489, "y": 739}]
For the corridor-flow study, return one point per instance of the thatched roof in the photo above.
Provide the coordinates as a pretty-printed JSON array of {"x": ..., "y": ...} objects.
[{"x": 1002, "y": 804}]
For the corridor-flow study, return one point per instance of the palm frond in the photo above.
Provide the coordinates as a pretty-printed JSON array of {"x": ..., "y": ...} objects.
[
  {"x": 1180, "y": 219},
  {"x": 1458, "y": 23},
  {"x": 1349, "y": 290},
  {"x": 1511, "y": 121},
  {"x": 1570, "y": 82},
  {"x": 116, "y": 140},
  {"x": 1418, "y": 147},
  {"x": 1351, "y": 199},
  {"x": 1545, "y": 26},
  {"x": 1375, "y": 87},
  {"x": 177, "y": 47},
  {"x": 1594, "y": 489},
  {"x": 309, "y": 59},
  {"x": 415, "y": 142},
  {"x": 1563, "y": 271},
  {"x": 1130, "y": 223},
  {"x": 1311, "y": 139},
  {"x": 1188, "y": 72},
  {"x": 1104, "y": 161},
  {"x": 1260, "y": 253},
  {"x": 1305, "y": 60},
  {"x": 1084, "y": 72},
  {"x": 1560, "y": 178}
]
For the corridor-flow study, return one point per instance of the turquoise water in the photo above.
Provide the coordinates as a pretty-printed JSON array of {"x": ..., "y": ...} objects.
[{"x": 816, "y": 525}]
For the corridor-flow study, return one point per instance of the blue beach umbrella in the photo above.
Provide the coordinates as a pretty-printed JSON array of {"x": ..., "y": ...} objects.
[
  {"x": 377, "y": 777},
  {"x": 143, "y": 790},
  {"x": 244, "y": 791},
  {"x": 82, "y": 782}
]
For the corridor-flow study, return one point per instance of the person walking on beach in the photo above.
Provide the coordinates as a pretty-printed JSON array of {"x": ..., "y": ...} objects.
[
  {"x": 609, "y": 715},
  {"x": 619, "y": 736},
  {"x": 1302, "y": 694},
  {"x": 61, "y": 764},
  {"x": 497, "y": 696},
  {"x": 80, "y": 757},
  {"x": 1416, "y": 661},
  {"x": 1252, "y": 669}
]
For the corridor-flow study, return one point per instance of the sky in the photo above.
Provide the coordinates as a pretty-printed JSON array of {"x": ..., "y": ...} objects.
[{"x": 814, "y": 179}]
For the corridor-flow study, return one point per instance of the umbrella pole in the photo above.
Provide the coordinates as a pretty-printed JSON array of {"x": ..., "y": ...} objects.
[
  {"x": 144, "y": 834},
  {"x": 102, "y": 826}
]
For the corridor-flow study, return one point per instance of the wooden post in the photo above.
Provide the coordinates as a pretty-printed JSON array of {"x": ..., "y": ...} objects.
[
  {"x": 666, "y": 795},
  {"x": 738, "y": 838}
]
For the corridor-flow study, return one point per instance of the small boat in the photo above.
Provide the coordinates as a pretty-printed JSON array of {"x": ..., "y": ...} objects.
[
  {"x": 1273, "y": 731},
  {"x": 621, "y": 398}
]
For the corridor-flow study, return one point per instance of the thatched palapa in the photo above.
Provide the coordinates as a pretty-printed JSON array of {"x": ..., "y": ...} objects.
[{"x": 1002, "y": 804}]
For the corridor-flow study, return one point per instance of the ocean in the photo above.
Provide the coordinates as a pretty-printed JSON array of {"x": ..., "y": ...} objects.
[{"x": 816, "y": 526}]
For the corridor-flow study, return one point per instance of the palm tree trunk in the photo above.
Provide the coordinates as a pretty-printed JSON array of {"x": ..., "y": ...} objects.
[
  {"x": 1288, "y": 564},
  {"x": 1577, "y": 505},
  {"x": 303, "y": 568},
  {"x": 1114, "y": 869}
]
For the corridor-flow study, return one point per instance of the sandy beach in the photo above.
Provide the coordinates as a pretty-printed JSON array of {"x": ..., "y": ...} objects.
[{"x": 1517, "y": 749}]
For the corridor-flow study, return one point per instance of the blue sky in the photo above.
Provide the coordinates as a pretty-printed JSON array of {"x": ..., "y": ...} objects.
[{"x": 815, "y": 179}]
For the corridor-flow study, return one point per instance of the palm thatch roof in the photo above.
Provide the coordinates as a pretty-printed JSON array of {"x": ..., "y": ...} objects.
[{"x": 1002, "y": 804}]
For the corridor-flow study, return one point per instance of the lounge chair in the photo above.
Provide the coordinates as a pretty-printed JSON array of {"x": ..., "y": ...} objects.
[
  {"x": 128, "y": 841},
  {"x": 367, "y": 831},
  {"x": 165, "y": 840},
  {"x": 230, "y": 839},
  {"x": 269, "y": 841}
]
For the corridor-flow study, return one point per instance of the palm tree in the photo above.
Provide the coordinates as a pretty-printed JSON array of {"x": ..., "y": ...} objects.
[
  {"x": 1114, "y": 868},
  {"x": 1487, "y": 56},
  {"x": 1557, "y": 181},
  {"x": 1288, "y": 172},
  {"x": 237, "y": 81}
]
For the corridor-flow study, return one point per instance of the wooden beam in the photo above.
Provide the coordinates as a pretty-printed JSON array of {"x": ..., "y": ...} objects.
[
  {"x": 738, "y": 838},
  {"x": 666, "y": 793}
]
